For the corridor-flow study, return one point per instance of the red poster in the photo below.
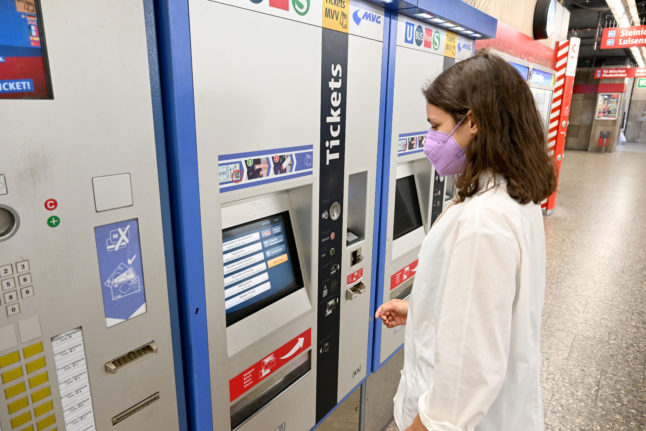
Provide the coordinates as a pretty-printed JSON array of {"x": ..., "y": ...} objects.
[
  {"x": 402, "y": 275},
  {"x": 268, "y": 365},
  {"x": 626, "y": 37}
]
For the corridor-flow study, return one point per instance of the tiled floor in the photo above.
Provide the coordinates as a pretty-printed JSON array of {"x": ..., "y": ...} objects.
[{"x": 594, "y": 321}]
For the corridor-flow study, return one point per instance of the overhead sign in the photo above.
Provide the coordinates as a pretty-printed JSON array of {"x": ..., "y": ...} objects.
[
  {"x": 641, "y": 83},
  {"x": 626, "y": 37},
  {"x": 620, "y": 72}
]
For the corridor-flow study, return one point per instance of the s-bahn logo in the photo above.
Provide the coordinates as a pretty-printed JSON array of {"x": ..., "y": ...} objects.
[
  {"x": 409, "y": 34},
  {"x": 301, "y": 6}
]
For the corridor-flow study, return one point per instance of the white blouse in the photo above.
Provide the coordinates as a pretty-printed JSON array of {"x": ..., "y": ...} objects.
[{"x": 472, "y": 339}]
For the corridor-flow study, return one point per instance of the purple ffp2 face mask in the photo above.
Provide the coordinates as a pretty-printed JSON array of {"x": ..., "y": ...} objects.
[{"x": 443, "y": 151}]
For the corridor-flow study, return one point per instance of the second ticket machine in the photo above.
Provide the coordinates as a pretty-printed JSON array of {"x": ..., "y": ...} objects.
[
  {"x": 273, "y": 109},
  {"x": 424, "y": 43}
]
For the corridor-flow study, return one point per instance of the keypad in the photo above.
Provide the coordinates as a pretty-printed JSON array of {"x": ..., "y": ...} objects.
[
  {"x": 17, "y": 285},
  {"x": 26, "y": 388}
]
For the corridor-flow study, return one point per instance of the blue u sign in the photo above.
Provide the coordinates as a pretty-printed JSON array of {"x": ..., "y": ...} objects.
[{"x": 409, "y": 34}]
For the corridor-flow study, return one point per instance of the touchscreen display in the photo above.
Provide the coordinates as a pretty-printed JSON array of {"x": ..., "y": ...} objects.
[
  {"x": 260, "y": 265},
  {"x": 23, "y": 61},
  {"x": 407, "y": 213}
]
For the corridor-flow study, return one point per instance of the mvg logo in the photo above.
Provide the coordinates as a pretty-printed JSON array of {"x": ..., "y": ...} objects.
[
  {"x": 364, "y": 15},
  {"x": 409, "y": 34}
]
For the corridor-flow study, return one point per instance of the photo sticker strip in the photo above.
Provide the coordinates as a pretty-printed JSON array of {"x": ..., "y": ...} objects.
[
  {"x": 121, "y": 270},
  {"x": 236, "y": 171},
  {"x": 410, "y": 143}
]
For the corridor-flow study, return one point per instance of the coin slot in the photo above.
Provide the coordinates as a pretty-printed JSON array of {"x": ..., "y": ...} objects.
[
  {"x": 9, "y": 222},
  {"x": 130, "y": 358}
]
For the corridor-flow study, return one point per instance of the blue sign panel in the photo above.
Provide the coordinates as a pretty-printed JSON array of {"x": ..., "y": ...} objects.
[
  {"x": 410, "y": 32},
  {"x": 541, "y": 78},
  {"x": 122, "y": 278},
  {"x": 523, "y": 70}
]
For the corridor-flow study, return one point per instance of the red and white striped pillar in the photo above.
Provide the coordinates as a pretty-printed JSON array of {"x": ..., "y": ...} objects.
[{"x": 567, "y": 53}]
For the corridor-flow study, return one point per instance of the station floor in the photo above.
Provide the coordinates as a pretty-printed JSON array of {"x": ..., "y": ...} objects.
[{"x": 594, "y": 320}]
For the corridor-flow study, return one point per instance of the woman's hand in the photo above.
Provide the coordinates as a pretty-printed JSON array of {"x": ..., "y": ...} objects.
[
  {"x": 417, "y": 425},
  {"x": 393, "y": 313}
]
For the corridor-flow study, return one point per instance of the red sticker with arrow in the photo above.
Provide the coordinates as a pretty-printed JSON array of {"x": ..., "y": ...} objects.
[{"x": 268, "y": 365}]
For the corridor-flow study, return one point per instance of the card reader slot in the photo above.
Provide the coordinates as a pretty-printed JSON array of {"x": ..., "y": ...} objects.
[
  {"x": 134, "y": 409},
  {"x": 130, "y": 358},
  {"x": 269, "y": 389}
]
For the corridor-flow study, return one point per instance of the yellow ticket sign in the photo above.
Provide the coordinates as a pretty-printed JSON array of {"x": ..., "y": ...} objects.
[
  {"x": 336, "y": 15},
  {"x": 450, "y": 46}
]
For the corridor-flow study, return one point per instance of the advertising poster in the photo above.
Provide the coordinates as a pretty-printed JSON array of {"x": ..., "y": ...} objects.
[
  {"x": 608, "y": 106},
  {"x": 23, "y": 72}
]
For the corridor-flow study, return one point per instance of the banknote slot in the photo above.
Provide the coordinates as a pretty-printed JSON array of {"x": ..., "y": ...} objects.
[
  {"x": 403, "y": 291},
  {"x": 135, "y": 409},
  {"x": 274, "y": 385},
  {"x": 130, "y": 358}
]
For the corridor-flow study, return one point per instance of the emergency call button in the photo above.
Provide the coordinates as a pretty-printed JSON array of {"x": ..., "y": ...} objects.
[{"x": 51, "y": 204}]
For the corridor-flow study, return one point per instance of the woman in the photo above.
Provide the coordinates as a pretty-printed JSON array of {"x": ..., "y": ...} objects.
[{"x": 472, "y": 350}]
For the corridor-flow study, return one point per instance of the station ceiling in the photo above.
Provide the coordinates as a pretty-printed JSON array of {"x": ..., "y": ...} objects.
[{"x": 588, "y": 18}]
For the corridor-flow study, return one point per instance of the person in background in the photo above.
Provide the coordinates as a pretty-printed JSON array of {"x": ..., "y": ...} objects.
[{"x": 472, "y": 337}]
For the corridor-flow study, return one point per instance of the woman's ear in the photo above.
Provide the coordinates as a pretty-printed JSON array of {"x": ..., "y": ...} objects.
[{"x": 472, "y": 125}]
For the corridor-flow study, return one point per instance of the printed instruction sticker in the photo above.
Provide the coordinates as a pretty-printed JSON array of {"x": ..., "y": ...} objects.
[
  {"x": 236, "y": 171},
  {"x": 122, "y": 277},
  {"x": 73, "y": 382}
]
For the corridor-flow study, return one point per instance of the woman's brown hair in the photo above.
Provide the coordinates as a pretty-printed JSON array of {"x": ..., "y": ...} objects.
[{"x": 511, "y": 138}]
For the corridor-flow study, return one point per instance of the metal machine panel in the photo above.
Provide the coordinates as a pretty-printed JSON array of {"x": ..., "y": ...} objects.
[{"x": 84, "y": 321}]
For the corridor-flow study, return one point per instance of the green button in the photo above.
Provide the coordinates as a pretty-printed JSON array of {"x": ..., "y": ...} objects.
[
  {"x": 332, "y": 251},
  {"x": 53, "y": 221}
]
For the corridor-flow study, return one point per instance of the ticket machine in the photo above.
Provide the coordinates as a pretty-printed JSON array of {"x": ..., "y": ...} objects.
[
  {"x": 541, "y": 83},
  {"x": 85, "y": 246},
  {"x": 425, "y": 41},
  {"x": 273, "y": 109}
]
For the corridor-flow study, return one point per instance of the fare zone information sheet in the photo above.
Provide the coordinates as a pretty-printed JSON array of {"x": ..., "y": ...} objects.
[{"x": 73, "y": 384}]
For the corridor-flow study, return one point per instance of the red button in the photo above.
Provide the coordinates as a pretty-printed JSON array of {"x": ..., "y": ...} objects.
[
  {"x": 332, "y": 235},
  {"x": 51, "y": 204}
]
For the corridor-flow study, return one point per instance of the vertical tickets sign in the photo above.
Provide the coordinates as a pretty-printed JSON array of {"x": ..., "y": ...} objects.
[{"x": 334, "y": 78}]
